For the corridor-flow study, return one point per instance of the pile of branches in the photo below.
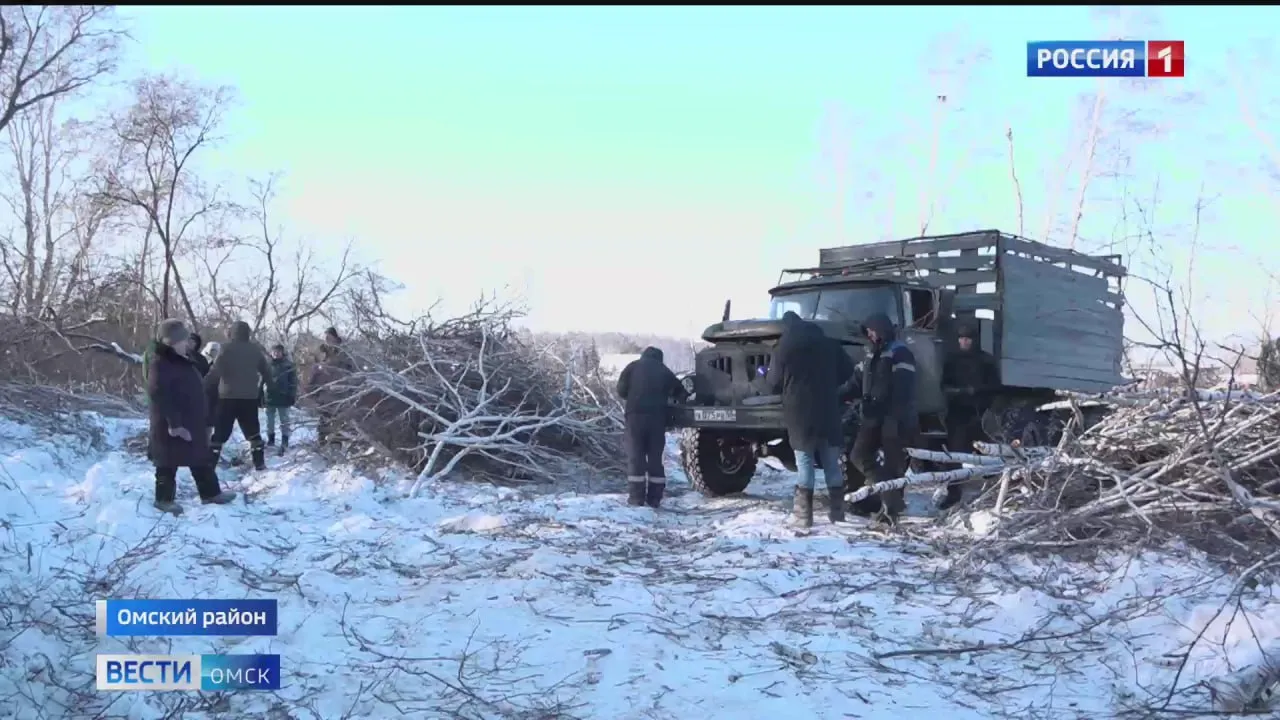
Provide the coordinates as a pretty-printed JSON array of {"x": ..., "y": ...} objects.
[
  {"x": 468, "y": 393},
  {"x": 1202, "y": 467}
]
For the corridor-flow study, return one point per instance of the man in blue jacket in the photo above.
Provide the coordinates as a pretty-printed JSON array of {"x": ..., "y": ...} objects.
[{"x": 889, "y": 416}]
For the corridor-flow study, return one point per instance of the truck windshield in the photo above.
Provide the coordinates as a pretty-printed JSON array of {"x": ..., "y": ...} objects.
[{"x": 845, "y": 304}]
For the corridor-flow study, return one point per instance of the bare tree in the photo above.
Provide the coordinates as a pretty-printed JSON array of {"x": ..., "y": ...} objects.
[
  {"x": 46, "y": 257},
  {"x": 48, "y": 51},
  {"x": 259, "y": 278},
  {"x": 157, "y": 138}
]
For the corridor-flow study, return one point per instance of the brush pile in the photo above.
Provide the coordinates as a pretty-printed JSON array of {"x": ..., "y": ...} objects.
[
  {"x": 469, "y": 393},
  {"x": 1202, "y": 468}
]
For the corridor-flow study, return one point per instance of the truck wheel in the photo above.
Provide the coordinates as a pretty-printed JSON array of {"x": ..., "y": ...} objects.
[{"x": 716, "y": 462}]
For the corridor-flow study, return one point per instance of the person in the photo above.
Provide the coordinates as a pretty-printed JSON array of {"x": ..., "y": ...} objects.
[
  {"x": 238, "y": 373},
  {"x": 177, "y": 413},
  {"x": 889, "y": 417},
  {"x": 333, "y": 353},
  {"x": 194, "y": 345},
  {"x": 281, "y": 398},
  {"x": 808, "y": 369},
  {"x": 968, "y": 378},
  {"x": 333, "y": 356},
  {"x": 646, "y": 385}
]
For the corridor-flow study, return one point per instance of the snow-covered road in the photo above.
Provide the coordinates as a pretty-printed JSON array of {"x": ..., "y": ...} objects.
[{"x": 475, "y": 601}]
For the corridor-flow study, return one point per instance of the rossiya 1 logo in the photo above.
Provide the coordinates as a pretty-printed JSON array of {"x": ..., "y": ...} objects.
[{"x": 1107, "y": 58}]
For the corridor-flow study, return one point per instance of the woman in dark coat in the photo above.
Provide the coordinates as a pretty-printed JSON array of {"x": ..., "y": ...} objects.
[{"x": 179, "y": 414}]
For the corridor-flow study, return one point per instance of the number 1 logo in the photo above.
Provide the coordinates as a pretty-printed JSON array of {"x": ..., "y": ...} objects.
[{"x": 1165, "y": 58}]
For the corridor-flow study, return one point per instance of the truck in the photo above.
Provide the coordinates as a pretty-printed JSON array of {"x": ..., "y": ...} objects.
[{"x": 1051, "y": 317}]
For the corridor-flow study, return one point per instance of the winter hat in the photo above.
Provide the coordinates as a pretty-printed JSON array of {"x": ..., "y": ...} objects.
[
  {"x": 279, "y": 347},
  {"x": 172, "y": 331},
  {"x": 334, "y": 332},
  {"x": 197, "y": 340},
  {"x": 967, "y": 331}
]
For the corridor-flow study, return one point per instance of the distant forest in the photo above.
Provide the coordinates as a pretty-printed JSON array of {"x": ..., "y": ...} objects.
[{"x": 587, "y": 347}]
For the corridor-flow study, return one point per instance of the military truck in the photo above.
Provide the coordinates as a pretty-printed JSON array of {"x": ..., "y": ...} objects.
[{"x": 1051, "y": 317}]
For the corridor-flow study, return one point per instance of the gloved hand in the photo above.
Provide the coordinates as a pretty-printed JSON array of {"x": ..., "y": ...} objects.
[{"x": 180, "y": 432}]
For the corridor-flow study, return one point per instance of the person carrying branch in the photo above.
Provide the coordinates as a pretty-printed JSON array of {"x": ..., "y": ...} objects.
[
  {"x": 808, "y": 368},
  {"x": 333, "y": 356},
  {"x": 968, "y": 378},
  {"x": 178, "y": 413},
  {"x": 647, "y": 386},
  {"x": 889, "y": 417},
  {"x": 281, "y": 397},
  {"x": 238, "y": 374}
]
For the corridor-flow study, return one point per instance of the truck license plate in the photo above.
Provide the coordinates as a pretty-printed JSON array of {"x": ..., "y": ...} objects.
[{"x": 715, "y": 415}]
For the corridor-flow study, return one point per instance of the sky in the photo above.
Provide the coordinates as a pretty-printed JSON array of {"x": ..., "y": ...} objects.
[{"x": 631, "y": 168}]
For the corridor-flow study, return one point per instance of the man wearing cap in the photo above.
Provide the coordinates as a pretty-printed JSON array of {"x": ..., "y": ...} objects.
[
  {"x": 178, "y": 414},
  {"x": 968, "y": 378}
]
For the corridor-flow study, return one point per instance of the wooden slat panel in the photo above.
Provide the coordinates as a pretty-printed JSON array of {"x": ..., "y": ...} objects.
[
  {"x": 1066, "y": 352},
  {"x": 1017, "y": 244},
  {"x": 1020, "y": 319},
  {"x": 1024, "y": 373},
  {"x": 960, "y": 279},
  {"x": 1057, "y": 331},
  {"x": 906, "y": 248}
]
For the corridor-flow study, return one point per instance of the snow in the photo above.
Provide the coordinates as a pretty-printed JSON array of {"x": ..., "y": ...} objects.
[{"x": 478, "y": 601}]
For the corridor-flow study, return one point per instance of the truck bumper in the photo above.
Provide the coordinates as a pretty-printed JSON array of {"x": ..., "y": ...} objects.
[{"x": 768, "y": 417}]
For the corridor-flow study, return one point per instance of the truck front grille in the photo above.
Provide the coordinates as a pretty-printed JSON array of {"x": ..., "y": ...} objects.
[{"x": 723, "y": 364}]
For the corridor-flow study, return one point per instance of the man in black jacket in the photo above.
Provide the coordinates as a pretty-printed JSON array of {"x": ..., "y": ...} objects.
[
  {"x": 195, "y": 347},
  {"x": 807, "y": 369},
  {"x": 968, "y": 377},
  {"x": 889, "y": 416},
  {"x": 178, "y": 414},
  {"x": 647, "y": 386}
]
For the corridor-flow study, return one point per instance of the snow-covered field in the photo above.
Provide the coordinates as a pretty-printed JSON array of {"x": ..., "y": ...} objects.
[{"x": 484, "y": 602}]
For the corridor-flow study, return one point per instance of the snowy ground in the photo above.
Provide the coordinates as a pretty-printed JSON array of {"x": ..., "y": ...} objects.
[{"x": 484, "y": 602}]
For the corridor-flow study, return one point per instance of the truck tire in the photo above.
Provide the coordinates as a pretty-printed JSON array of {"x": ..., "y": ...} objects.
[{"x": 709, "y": 472}]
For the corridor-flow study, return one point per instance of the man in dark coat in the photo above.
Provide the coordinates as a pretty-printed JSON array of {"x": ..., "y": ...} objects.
[
  {"x": 238, "y": 374},
  {"x": 646, "y": 386},
  {"x": 890, "y": 419},
  {"x": 968, "y": 378},
  {"x": 195, "y": 347},
  {"x": 334, "y": 360},
  {"x": 280, "y": 399},
  {"x": 808, "y": 369},
  {"x": 176, "y": 438}
]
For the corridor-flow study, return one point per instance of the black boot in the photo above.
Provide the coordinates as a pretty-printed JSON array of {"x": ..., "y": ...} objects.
[
  {"x": 635, "y": 491},
  {"x": 271, "y": 440},
  {"x": 866, "y": 507},
  {"x": 284, "y": 444},
  {"x": 653, "y": 493},
  {"x": 259, "y": 459},
  {"x": 892, "y": 506},
  {"x": 211, "y": 492},
  {"x": 166, "y": 494},
  {"x": 835, "y": 512},
  {"x": 802, "y": 509}
]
